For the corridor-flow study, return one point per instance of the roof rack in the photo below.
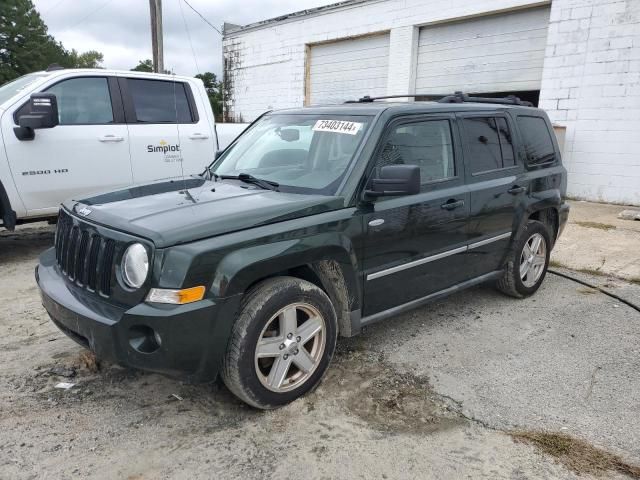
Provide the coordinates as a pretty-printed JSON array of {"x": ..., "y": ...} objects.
[{"x": 457, "y": 97}]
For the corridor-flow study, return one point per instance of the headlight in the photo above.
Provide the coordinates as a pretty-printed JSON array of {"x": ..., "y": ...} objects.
[{"x": 135, "y": 265}]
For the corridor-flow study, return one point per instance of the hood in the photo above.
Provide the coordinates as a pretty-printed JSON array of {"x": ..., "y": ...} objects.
[{"x": 166, "y": 215}]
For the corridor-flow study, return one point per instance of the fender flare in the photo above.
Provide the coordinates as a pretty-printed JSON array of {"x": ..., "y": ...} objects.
[
  {"x": 333, "y": 263},
  {"x": 7, "y": 215}
]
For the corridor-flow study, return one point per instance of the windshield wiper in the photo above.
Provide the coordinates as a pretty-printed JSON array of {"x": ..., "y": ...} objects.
[{"x": 247, "y": 178}]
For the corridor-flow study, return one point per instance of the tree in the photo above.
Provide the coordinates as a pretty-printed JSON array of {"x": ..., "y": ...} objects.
[
  {"x": 144, "y": 66},
  {"x": 26, "y": 46},
  {"x": 214, "y": 92},
  {"x": 89, "y": 59}
]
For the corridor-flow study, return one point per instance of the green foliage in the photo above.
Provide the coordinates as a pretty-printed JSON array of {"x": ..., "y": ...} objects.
[
  {"x": 214, "y": 92},
  {"x": 144, "y": 66},
  {"x": 26, "y": 46},
  {"x": 89, "y": 59}
]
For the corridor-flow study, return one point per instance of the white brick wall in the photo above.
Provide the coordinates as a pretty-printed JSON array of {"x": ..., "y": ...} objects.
[
  {"x": 591, "y": 76},
  {"x": 269, "y": 62},
  {"x": 591, "y": 84}
]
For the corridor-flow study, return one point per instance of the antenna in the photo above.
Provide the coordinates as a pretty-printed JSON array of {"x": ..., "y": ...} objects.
[{"x": 180, "y": 159}]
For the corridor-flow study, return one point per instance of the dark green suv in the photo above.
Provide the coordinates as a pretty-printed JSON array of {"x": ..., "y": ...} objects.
[{"x": 312, "y": 224}]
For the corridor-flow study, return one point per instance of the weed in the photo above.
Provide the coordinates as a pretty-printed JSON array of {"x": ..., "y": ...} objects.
[
  {"x": 599, "y": 226},
  {"x": 577, "y": 455}
]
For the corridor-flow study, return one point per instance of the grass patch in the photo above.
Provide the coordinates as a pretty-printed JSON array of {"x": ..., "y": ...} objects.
[
  {"x": 577, "y": 455},
  {"x": 599, "y": 226}
]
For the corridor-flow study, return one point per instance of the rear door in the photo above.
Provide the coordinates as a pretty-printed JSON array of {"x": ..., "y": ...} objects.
[
  {"x": 414, "y": 245},
  {"x": 169, "y": 136},
  {"x": 87, "y": 152},
  {"x": 497, "y": 187}
]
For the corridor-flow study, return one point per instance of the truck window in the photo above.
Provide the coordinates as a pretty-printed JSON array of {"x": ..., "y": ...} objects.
[
  {"x": 160, "y": 101},
  {"x": 83, "y": 101},
  {"x": 426, "y": 144},
  {"x": 538, "y": 145}
]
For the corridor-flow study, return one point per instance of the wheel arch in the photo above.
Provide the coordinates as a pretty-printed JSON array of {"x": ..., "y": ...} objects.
[
  {"x": 551, "y": 218},
  {"x": 331, "y": 268},
  {"x": 7, "y": 214}
]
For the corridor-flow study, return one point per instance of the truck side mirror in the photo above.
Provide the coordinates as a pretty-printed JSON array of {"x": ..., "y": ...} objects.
[
  {"x": 43, "y": 113},
  {"x": 395, "y": 180}
]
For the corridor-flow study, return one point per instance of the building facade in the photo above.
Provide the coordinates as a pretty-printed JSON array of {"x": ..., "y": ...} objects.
[{"x": 577, "y": 59}]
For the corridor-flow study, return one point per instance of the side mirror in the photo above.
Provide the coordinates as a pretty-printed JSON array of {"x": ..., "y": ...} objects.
[
  {"x": 395, "y": 180},
  {"x": 43, "y": 113}
]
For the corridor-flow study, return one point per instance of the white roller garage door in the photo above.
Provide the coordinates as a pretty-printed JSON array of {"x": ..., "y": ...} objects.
[
  {"x": 348, "y": 69},
  {"x": 497, "y": 53}
]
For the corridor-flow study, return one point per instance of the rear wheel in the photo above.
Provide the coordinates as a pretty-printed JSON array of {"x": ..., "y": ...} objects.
[
  {"x": 281, "y": 344},
  {"x": 528, "y": 261}
]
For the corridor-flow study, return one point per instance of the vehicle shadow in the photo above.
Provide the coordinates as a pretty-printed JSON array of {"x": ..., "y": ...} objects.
[{"x": 25, "y": 242}]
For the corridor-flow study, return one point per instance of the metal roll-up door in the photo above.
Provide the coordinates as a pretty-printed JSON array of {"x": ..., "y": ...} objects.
[
  {"x": 496, "y": 53},
  {"x": 348, "y": 69}
]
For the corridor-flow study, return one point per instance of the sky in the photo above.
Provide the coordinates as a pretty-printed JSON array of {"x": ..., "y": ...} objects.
[{"x": 120, "y": 29}]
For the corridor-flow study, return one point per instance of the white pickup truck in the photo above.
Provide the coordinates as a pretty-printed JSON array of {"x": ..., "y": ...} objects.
[{"x": 66, "y": 133}]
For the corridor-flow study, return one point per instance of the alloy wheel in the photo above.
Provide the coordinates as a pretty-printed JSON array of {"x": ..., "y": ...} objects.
[
  {"x": 290, "y": 347},
  {"x": 533, "y": 259}
]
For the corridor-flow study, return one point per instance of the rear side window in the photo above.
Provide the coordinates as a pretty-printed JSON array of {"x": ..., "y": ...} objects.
[
  {"x": 158, "y": 101},
  {"x": 538, "y": 145},
  {"x": 489, "y": 144}
]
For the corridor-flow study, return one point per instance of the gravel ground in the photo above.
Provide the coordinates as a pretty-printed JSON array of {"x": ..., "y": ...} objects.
[{"x": 434, "y": 393}]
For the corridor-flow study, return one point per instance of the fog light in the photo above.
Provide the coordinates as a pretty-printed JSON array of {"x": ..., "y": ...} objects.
[
  {"x": 144, "y": 339},
  {"x": 177, "y": 297}
]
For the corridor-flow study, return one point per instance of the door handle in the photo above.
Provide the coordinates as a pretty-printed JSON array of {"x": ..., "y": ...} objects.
[
  {"x": 452, "y": 204},
  {"x": 110, "y": 138},
  {"x": 516, "y": 189},
  {"x": 198, "y": 136}
]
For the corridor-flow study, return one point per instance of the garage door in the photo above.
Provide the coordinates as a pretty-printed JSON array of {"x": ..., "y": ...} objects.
[
  {"x": 497, "y": 53},
  {"x": 348, "y": 69}
]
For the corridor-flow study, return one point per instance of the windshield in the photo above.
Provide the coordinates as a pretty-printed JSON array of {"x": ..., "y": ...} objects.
[
  {"x": 14, "y": 87},
  {"x": 301, "y": 153}
]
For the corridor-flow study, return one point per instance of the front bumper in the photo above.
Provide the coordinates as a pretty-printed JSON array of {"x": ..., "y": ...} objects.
[{"x": 185, "y": 341}]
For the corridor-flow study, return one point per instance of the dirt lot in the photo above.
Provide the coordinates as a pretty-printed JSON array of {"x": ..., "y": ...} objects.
[{"x": 475, "y": 386}]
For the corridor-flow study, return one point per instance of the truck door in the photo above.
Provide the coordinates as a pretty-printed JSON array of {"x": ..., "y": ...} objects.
[
  {"x": 87, "y": 152},
  {"x": 169, "y": 138},
  {"x": 415, "y": 244}
]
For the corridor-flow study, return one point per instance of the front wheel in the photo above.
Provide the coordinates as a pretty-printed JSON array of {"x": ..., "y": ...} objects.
[
  {"x": 527, "y": 262},
  {"x": 281, "y": 343}
]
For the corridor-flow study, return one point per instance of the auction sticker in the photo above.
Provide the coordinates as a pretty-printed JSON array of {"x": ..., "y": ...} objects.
[{"x": 337, "y": 126}]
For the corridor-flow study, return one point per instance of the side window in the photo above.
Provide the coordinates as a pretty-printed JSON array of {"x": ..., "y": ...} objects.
[
  {"x": 489, "y": 143},
  {"x": 427, "y": 144},
  {"x": 481, "y": 134},
  {"x": 506, "y": 143},
  {"x": 160, "y": 101},
  {"x": 83, "y": 101},
  {"x": 538, "y": 145}
]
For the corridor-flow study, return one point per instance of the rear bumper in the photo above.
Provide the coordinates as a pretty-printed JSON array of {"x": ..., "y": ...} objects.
[
  {"x": 185, "y": 341},
  {"x": 563, "y": 217}
]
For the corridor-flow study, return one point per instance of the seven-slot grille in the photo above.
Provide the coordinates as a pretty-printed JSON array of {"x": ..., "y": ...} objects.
[{"x": 83, "y": 255}]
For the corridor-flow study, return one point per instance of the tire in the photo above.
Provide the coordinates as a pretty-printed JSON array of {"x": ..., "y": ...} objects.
[
  {"x": 513, "y": 283},
  {"x": 281, "y": 313}
]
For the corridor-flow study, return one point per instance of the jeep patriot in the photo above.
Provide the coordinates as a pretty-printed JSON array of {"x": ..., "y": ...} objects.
[{"x": 311, "y": 225}]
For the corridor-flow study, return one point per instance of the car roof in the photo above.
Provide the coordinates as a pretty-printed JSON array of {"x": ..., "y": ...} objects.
[
  {"x": 108, "y": 71},
  {"x": 376, "y": 107}
]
